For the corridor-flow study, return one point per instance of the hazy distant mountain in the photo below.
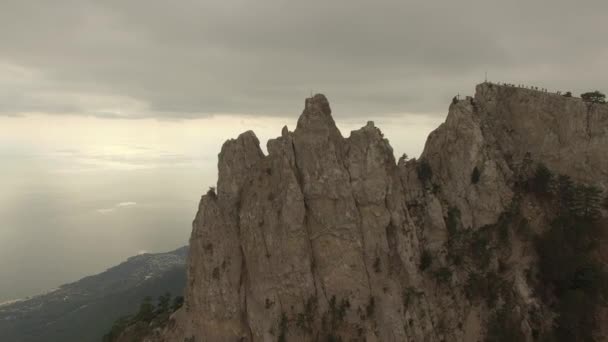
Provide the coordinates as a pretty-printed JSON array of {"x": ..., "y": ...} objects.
[{"x": 85, "y": 310}]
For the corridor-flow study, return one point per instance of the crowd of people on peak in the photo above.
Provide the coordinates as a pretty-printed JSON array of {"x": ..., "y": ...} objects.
[
  {"x": 522, "y": 86},
  {"x": 595, "y": 97}
]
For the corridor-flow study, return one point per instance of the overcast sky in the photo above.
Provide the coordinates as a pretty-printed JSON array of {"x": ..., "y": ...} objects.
[
  {"x": 194, "y": 58},
  {"x": 84, "y": 186}
]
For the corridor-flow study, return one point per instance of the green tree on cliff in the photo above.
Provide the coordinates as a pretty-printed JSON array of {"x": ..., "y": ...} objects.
[
  {"x": 594, "y": 97},
  {"x": 146, "y": 310}
]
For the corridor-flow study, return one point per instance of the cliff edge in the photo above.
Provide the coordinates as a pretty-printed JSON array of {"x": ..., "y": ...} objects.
[{"x": 329, "y": 238}]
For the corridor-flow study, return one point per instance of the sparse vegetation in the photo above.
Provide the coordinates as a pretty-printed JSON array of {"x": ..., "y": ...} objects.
[
  {"x": 163, "y": 308},
  {"x": 486, "y": 286},
  {"x": 586, "y": 202},
  {"x": 283, "y": 328},
  {"x": 578, "y": 281},
  {"x": 409, "y": 295},
  {"x": 507, "y": 220},
  {"x": 333, "y": 338},
  {"x": 371, "y": 306},
  {"x": 453, "y": 221},
  {"x": 470, "y": 246},
  {"x": 504, "y": 327},
  {"x": 436, "y": 189},
  {"x": 377, "y": 265},
  {"x": 524, "y": 229},
  {"x": 443, "y": 275},
  {"x": 540, "y": 183},
  {"x": 424, "y": 171},
  {"x": 480, "y": 247},
  {"x": 475, "y": 175},
  {"x": 146, "y": 310},
  {"x": 117, "y": 328},
  {"x": 334, "y": 317},
  {"x": 305, "y": 320},
  {"x": 337, "y": 311},
  {"x": 574, "y": 282},
  {"x": 565, "y": 193},
  {"x": 594, "y": 97},
  {"x": 148, "y": 314},
  {"x": 477, "y": 248},
  {"x": 426, "y": 259},
  {"x": 178, "y": 302}
]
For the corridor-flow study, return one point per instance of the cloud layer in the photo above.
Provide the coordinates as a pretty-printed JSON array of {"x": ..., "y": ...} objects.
[
  {"x": 190, "y": 58},
  {"x": 116, "y": 207}
]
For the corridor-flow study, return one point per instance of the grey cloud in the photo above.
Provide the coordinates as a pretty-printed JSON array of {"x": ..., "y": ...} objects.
[
  {"x": 113, "y": 208},
  {"x": 191, "y": 58}
]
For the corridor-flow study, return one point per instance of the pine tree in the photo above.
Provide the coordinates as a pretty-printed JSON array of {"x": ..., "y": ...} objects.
[
  {"x": 565, "y": 192},
  {"x": 146, "y": 310},
  {"x": 587, "y": 202},
  {"x": 163, "y": 303},
  {"x": 541, "y": 181},
  {"x": 177, "y": 303},
  {"x": 594, "y": 97}
]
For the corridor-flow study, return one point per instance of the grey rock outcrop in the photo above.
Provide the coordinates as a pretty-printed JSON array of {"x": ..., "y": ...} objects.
[{"x": 324, "y": 236}]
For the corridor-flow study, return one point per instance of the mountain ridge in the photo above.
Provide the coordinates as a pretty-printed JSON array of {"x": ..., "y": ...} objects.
[
  {"x": 84, "y": 310},
  {"x": 330, "y": 238}
]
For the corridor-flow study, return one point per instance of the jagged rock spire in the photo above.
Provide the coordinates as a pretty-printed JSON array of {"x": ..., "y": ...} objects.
[
  {"x": 317, "y": 119},
  {"x": 325, "y": 225}
]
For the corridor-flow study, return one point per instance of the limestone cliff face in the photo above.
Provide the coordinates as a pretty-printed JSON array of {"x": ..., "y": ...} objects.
[{"x": 329, "y": 238}]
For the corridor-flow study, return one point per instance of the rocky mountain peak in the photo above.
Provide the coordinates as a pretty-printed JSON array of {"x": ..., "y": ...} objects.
[
  {"x": 327, "y": 238},
  {"x": 316, "y": 121},
  {"x": 317, "y": 104},
  {"x": 237, "y": 158}
]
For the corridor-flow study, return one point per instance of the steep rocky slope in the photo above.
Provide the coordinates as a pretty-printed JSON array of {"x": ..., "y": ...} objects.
[
  {"x": 328, "y": 238},
  {"x": 85, "y": 310}
]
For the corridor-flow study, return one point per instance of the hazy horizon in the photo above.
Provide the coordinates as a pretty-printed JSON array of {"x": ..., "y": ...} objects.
[
  {"x": 112, "y": 113},
  {"x": 81, "y": 194}
]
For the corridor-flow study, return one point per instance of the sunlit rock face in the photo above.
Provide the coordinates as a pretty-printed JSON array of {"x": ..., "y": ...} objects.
[{"x": 329, "y": 237}]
